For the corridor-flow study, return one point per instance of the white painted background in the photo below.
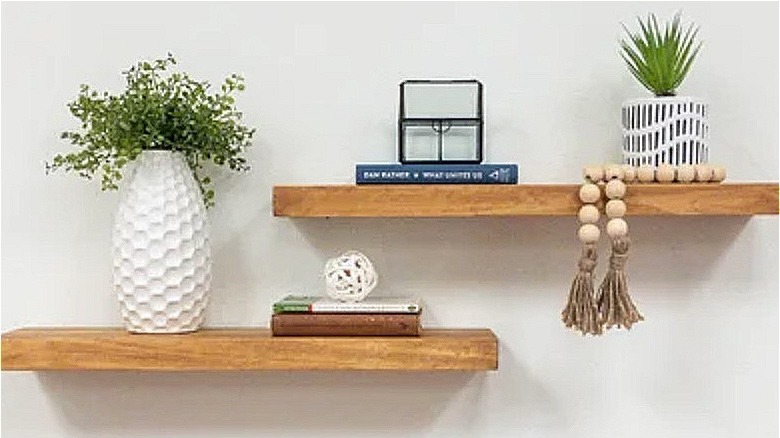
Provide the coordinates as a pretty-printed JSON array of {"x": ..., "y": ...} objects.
[{"x": 322, "y": 87}]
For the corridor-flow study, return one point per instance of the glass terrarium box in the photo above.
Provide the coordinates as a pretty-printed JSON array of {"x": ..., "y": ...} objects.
[{"x": 440, "y": 122}]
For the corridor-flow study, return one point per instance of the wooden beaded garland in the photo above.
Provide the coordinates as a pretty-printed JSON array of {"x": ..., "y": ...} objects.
[
  {"x": 588, "y": 214},
  {"x": 589, "y": 193},
  {"x": 615, "y": 189},
  {"x": 591, "y": 311},
  {"x": 593, "y": 173},
  {"x": 718, "y": 173},
  {"x": 613, "y": 171},
  {"x": 664, "y": 173},
  {"x": 617, "y": 227},
  {"x": 685, "y": 173},
  {"x": 589, "y": 233},
  {"x": 629, "y": 173},
  {"x": 645, "y": 174},
  {"x": 615, "y": 208},
  {"x": 703, "y": 172}
]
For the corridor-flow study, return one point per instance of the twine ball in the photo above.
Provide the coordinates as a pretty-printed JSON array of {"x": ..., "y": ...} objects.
[
  {"x": 613, "y": 171},
  {"x": 589, "y": 193},
  {"x": 645, "y": 174},
  {"x": 617, "y": 227},
  {"x": 664, "y": 173},
  {"x": 703, "y": 172},
  {"x": 350, "y": 277},
  {"x": 685, "y": 173},
  {"x": 615, "y": 208},
  {"x": 589, "y": 233},
  {"x": 588, "y": 214},
  {"x": 629, "y": 172},
  {"x": 615, "y": 189},
  {"x": 593, "y": 173},
  {"x": 718, "y": 173}
]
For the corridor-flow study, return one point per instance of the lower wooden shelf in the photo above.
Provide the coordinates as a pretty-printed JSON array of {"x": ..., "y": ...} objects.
[{"x": 233, "y": 349}]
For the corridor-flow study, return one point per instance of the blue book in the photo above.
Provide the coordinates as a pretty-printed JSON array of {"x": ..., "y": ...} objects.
[{"x": 436, "y": 173}]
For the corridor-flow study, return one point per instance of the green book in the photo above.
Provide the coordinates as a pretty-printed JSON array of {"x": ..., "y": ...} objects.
[{"x": 318, "y": 304}]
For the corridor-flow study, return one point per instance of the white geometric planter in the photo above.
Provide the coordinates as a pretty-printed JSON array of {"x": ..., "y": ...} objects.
[
  {"x": 665, "y": 130},
  {"x": 162, "y": 258}
]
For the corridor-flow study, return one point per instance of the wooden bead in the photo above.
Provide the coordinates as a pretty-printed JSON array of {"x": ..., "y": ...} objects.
[
  {"x": 589, "y": 233},
  {"x": 645, "y": 174},
  {"x": 593, "y": 173},
  {"x": 589, "y": 193},
  {"x": 617, "y": 227},
  {"x": 615, "y": 208},
  {"x": 664, "y": 173},
  {"x": 615, "y": 189},
  {"x": 703, "y": 172},
  {"x": 685, "y": 173},
  {"x": 588, "y": 214},
  {"x": 613, "y": 171},
  {"x": 718, "y": 173},
  {"x": 629, "y": 173}
]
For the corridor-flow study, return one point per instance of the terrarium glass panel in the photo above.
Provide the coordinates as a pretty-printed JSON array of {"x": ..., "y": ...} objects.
[
  {"x": 436, "y": 100},
  {"x": 421, "y": 143},
  {"x": 458, "y": 143},
  {"x": 441, "y": 141}
]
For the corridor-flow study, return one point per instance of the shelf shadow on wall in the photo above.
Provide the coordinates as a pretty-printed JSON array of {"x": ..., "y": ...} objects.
[
  {"x": 267, "y": 402},
  {"x": 529, "y": 251}
]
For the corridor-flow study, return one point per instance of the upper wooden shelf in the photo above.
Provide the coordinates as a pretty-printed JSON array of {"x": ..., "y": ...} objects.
[
  {"x": 243, "y": 349},
  {"x": 730, "y": 199}
]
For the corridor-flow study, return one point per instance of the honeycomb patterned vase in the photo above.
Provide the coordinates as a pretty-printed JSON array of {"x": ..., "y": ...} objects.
[{"x": 162, "y": 258}]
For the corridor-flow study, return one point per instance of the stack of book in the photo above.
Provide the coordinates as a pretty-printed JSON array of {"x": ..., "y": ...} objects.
[
  {"x": 300, "y": 315},
  {"x": 436, "y": 174}
]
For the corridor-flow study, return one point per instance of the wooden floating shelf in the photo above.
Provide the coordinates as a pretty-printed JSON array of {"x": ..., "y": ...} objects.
[
  {"x": 39, "y": 349},
  {"x": 729, "y": 199}
]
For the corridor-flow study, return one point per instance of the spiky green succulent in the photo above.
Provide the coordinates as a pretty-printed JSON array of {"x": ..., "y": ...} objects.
[{"x": 660, "y": 59}]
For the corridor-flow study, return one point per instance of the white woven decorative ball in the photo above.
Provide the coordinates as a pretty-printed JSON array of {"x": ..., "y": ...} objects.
[
  {"x": 685, "y": 173},
  {"x": 617, "y": 227},
  {"x": 589, "y": 233},
  {"x": 589, "y": 193},
  {"x": 615, "y": 189},
  {"x": 350, "y": 277},
  {"x": 588, "y": 214}
]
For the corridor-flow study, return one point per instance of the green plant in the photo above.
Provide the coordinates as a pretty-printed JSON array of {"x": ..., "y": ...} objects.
[
  {"x": 156, "y": 112},
  {"x": 660, "y": 60}
]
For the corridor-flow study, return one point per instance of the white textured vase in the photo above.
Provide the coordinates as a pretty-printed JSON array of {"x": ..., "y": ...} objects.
[
  {"x": 162, "y": 258},
  {"x": 665, "y": 130}
]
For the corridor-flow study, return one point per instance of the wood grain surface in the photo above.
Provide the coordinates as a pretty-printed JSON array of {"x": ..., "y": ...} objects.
[
  {"x": 244, "y": 349},
  {"x": 730, "y": 199}
]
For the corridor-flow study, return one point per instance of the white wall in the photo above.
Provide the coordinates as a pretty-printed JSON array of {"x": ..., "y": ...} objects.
[{"x": 322, "y": 83}]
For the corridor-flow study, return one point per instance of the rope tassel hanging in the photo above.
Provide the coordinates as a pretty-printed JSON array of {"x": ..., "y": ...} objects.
[
  {"x": 582, "y": 311},
  {"x": 616, "y": 309}
]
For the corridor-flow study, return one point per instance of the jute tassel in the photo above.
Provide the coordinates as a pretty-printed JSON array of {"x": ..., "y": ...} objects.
[
  {"x": 615, "y": 305},
  {"x": 581, "y": 312}
]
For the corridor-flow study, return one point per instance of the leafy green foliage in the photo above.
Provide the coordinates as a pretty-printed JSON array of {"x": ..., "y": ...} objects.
[
  {"x": 156, "y": 112},
  {"x": 660, "y": 60}
]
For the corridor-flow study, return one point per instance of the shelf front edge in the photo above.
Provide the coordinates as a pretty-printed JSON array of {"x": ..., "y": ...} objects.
[
  {"x": 244, "y": 349},
  {"x": 728, "y": 199}
]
